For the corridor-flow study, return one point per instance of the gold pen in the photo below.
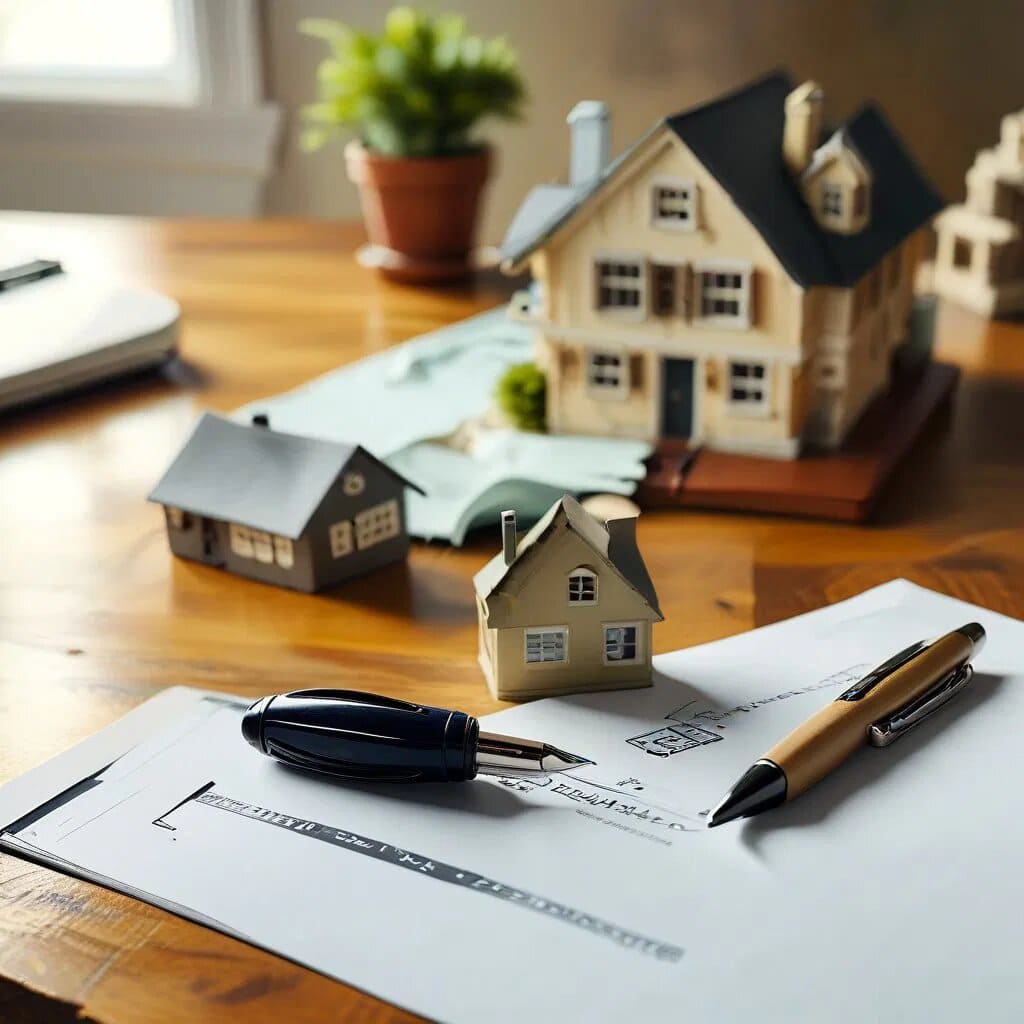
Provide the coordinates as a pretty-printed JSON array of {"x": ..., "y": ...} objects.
[{"x": 878, "y": 709}]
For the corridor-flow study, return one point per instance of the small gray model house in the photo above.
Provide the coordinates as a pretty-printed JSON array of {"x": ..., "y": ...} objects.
[
  {"x": 567, "y": 608},
  {"x": 282, "y": 509}
]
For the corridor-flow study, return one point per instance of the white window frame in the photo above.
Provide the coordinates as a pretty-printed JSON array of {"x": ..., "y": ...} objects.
[
  {"x": 377, "y": 524},
  {"x": 833, "y": 190},
  {"x": 759, "y": 409},
  {"x": 262, "y": 547},
  {"x": 742, "y": 319},
  {"x": 240, "y": 540},
  {"x": 542, "y": 631},
  {"x": 687, "y": 202},
  {"x": 342, "y": 538},
  {"x": 353, "y": 484},
  {"x": 124, "y": 155},
  {"x": 177, "y": 518},
  {"x": 581, "y": 572},
  {"x": 618, "y": 390},
  {"x": 641, "y": 282},
  {"x": 639, "y": 654},
  {"x": 284, "y": 552}
]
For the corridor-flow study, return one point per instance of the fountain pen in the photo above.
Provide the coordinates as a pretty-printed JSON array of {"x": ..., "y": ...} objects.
[
  {"x": 364, "y": 737},
  {"x": 878, "y": 709}
]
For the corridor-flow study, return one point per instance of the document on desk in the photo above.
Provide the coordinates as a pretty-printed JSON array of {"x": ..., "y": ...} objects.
[{"x": 892, "y": 891}]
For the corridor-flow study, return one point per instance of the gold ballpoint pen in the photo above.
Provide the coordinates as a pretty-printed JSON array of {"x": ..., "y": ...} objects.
[{"x": 878, "y": 709}]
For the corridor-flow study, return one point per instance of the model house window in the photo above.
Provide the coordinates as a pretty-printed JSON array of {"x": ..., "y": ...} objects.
[
  {"x": 178, "y": 518},
  {"x": 377, "y": 523},
  {"x": 341, "y": 539},
  {"x": 582, "y": 587},
  {"x": 831, "y": 199},
  {"x": 724, "y": 295},
  {"x": 620, "y": 643},
  {"x": 674, "y": 205},
  {"x": 262, "y": 547},
  {"x": 284, "y": 552},
  {"x": 608, "y": 373},
  {"x": 748, "y": 386},
  {"x": 620, "y": 285},
  {"x": 544, "y": 645},
  {"x": 240, "y": 538},
  {"x": 667, "y": 290},
  {"x": 962, "y": 253},
  {"x": 353, "y": 484}
]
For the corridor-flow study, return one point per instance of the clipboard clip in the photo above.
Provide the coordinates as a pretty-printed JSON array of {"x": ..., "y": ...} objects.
[{"x": 889, "y": 729}]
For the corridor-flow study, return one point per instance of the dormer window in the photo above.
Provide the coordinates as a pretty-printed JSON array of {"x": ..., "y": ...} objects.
[
  {"x": 674, "y": 204},
  {"x": 582, "y": 586}
]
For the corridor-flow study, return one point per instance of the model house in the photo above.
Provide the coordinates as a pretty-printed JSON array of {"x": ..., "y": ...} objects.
[
  {"x": 979, "y": 258},
  {"x": 739, "y": 278},
  {"x": 282, "y": 509},
  {"x": 566, "y": 608}
]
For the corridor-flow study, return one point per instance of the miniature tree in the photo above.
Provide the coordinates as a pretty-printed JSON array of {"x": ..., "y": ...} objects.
[{"x": 521, "y": 396}]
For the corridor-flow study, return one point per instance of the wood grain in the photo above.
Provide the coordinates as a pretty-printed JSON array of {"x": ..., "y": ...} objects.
[{"x": 95, "y": 615}]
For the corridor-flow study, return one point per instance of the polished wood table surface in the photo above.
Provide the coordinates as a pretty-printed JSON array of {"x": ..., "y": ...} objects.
[{"x": 95, "y": 615}]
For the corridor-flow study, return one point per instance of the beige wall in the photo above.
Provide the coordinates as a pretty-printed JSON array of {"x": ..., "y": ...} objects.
[{"x": 945, "y": 72}]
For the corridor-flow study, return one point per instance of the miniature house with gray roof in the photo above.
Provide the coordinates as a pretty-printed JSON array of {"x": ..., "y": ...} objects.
[
  {"x": 293, "y": 511},
  {"x": 739, "y": 279},
  {"x": 566, "y": 608}
]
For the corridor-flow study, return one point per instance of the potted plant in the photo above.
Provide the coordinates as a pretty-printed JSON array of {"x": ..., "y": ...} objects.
[{"x": 413, "y": 96}]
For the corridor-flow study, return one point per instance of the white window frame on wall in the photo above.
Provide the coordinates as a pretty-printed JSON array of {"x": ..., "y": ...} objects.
[
  {"x": 593, "y": 369},
  {"x": 638, "y": 654},
  {"x": 833, "y": 199},
  {"x": 542, "y": 632},
  {"x": 378, "y": 523},
  {"x": 108, "y": 148},
  {"x": 574, "y": 594},
  {"x": 684, "y": 203},
  {"x": 621, "y": 282},
  {"x": 760, "y": 408},
  {"x": 240, "y": 540},
  {"x": 342, "y": 538},
  {"x": 743, "y": 318}
]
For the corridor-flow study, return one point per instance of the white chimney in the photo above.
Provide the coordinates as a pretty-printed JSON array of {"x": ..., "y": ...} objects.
[
  {"x": 803, "y": 126},
  {"x": 590, "y": 141},
  {"x": 508, "y": 536}
]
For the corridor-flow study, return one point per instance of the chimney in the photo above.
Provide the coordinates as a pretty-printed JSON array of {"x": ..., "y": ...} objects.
[
  {"x": 508, "y": 536},
  {"x": 261, "y": 419},
  {"x": 803, "y": 126},
  {"x": 590, "y": 141}
]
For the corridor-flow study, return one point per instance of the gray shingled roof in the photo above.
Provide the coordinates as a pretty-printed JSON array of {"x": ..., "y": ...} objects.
[
  {"x": 255, "y": 476},
  {"x": 738, "y": 138},
  {"x": 614, "y": 544}
]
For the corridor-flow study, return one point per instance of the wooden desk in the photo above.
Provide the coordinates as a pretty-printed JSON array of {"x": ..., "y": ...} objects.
[{"x": 95, "y": 615}]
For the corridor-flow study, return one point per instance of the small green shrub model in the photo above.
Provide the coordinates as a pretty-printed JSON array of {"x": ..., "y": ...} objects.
[
  {"x": 418, "y": 89},
  {"x": 522, "y": 395}
]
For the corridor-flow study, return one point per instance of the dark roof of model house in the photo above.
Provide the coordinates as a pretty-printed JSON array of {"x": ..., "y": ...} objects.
[
  {"x": 256, "y": 476},
  {"x": 738, "y": 138},
  {"x": 614, "y": 543}
]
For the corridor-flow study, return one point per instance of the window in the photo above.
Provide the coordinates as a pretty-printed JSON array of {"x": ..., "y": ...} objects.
[
  {"x": 262, "y": 547},
  {"x": 962, "y": 252},
  {"x": 673, "y": 205},
  {"x": 832, "y": 200},
  {"x": 620, "y": 285},
  {"x": 284, "y": 552},
  {"x": 377, "y": 523},
  {"x": 749, "y": 387},
  {"x": 582, "y": 586},
  {"x": 724, "y": 295},
  {"x": 621, "y": 643},
  {"x": 665, "y": 292},
  {"x": 608, "y": 373},
  {"x": 178, "y": 518},
  {"x": 341, "y": 539},
  {"x": 545, "y": 645},
  {"x": 353, "y": 484},
  {"x": 240, "y": 538}
]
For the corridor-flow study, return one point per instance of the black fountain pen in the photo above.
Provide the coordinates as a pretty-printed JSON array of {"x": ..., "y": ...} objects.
[{"x": 363, "y": 737}]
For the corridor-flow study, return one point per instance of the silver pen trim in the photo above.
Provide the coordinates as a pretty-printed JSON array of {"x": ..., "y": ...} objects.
[{"x": 518, "y": 758}]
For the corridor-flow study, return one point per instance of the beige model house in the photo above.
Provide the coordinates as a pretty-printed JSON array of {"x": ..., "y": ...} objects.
[
  {"x": 739, "y": 278},
  {"x": 979, "y": 258},
  {"x": 566, "y": 608}
]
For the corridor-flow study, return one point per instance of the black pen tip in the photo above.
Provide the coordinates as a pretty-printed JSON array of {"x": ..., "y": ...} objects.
[{"x": 762, "y": 787}]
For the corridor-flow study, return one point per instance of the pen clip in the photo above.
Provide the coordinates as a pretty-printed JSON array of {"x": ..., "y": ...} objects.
[{"x": 889, "y": 729}]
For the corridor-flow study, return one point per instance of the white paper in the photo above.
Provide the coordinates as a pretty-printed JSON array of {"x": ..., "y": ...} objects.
[{"x": 890, "y": 892}]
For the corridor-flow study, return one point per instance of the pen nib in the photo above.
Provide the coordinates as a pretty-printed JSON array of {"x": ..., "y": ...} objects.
[
  {"x": 513, "y": 757},
  {"x": 555, "y": 760}
]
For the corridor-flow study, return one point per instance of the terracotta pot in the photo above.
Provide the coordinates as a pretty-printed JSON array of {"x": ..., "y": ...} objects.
[{"x": 420, "y": 212}]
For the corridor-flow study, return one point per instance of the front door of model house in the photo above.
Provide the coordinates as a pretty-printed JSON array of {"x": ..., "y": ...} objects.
[
  {"x": 212, "y": 553},
  {"x": 677, "y": 398}
]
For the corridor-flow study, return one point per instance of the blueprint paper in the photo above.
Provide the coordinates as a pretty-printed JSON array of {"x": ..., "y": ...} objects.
[
  {"x": 889, "y": 892},
  {"x": 401, "y": 403}
]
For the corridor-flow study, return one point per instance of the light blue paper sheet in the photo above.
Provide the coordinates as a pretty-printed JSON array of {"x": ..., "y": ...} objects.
[{"x": 401, "y": 404}]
